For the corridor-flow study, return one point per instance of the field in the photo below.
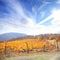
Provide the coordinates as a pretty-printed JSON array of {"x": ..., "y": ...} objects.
[
  {"x": 30, "y": 49},
  {"x": 46, "y": 56}
]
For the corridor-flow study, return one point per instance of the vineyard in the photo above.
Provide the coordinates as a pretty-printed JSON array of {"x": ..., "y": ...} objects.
[{"x": 23, "y": 46}]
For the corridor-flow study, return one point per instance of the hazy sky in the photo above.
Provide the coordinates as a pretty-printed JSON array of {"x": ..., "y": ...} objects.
[{"x": 31, "y": 17}]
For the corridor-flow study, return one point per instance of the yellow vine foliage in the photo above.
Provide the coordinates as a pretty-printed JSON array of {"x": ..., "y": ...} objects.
[{"x": 24, "y": 44}]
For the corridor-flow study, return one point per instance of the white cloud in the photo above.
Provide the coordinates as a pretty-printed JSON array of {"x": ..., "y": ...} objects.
[
  {"x": 56, "y": 16},
  {"x": 43, "y": 5},
  {"x": 13, "y": 22},
  {"x": 43, "y": 21},
  {"x": 20, "y": 13}
]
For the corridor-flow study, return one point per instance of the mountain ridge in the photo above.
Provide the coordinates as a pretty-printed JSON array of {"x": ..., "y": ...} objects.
[{"x": 9, "y": 36}]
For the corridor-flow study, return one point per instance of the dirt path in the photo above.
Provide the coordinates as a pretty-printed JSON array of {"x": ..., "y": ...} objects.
[
  {"x": 47, "y": 56},
  {"x": 56, "y": 57}
]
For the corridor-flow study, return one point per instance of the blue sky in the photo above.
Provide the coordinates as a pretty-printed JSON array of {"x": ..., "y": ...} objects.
[{"x": 31, "y": 17}]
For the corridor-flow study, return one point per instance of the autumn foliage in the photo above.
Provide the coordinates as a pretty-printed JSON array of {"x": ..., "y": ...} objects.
[{"x": 27, "y": 45}]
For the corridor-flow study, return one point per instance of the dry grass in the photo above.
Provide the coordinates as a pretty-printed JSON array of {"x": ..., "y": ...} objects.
[{"x": 47, "y": 56}]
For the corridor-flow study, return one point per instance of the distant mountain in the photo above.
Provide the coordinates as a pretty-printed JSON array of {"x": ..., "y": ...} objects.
[{"x": 9, "y": 36}]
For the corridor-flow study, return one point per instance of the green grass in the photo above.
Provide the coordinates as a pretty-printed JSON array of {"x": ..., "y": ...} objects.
[
  {"x": 40, "y": 58},
  {"x": 26, "y": 58}
]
